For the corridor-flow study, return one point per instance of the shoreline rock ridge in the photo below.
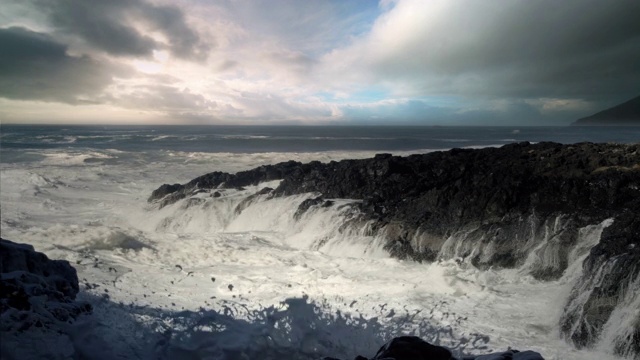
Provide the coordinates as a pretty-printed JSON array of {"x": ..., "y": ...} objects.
[
  {"x": 36, "y": 291},
  {"x": 491, "y": 207}
]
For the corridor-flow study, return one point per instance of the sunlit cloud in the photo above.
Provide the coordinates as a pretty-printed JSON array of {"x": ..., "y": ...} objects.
[{"x": 265, "y": 62}]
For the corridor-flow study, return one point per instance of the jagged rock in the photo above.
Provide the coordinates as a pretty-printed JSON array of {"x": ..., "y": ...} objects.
[
  {"x": 164, "y": 190},
  {"x": 411, "y": 347},
  {"x": 32, "y": 284},
  {"x": 611, "y": 276},
  {"x": 414, "y": 348},
  {"x": 509, "y": 355},
  {"x": 306, "y": 205},
  {"x": 266, "y": 191},
  {"x": 440, "y": 193},
  {"x": 169, "y": 194},
  {"x": 497, "y": 204}
]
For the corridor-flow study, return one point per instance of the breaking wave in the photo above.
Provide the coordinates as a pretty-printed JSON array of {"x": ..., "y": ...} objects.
[{"x": 335, "y": 227}]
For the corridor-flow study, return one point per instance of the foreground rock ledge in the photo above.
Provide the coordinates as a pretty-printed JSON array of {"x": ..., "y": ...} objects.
[
  {"x": 490, "y": 201},
  {"x": 34, "y": 290},
  {"x": 414, "y": 348}
]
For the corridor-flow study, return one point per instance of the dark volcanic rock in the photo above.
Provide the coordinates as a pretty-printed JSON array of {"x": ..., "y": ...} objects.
[
  {"x": 308, "y": 204},
  {"x": 493, "y": 207},
  {"x": 31, "y": 283},
  {"x": 165, "y": 190},
  {"x": 168, "y": 194},
  {"x": 613, "y": 277},
  {"x": 264, "y": 192},
  {"x": 421, "y": 200},
  {"x": 411, "y": 347},
  {"x": 414, "y": 348}
]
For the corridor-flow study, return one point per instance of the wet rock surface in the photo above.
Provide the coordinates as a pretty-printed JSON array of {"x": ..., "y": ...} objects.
[
  {"x": 492, "y": 202},
  {"x": 34, "y": 289},
  {"x": 414, "y": 348},
  {"x": 612, "y": 279},
  {"x": 434, "y": 195},
  {"x": 411, "y": 347},
  {"x": 169, "y": 194}
]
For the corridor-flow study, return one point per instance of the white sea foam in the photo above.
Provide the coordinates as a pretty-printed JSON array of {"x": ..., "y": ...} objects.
[
  {"x": 161, "y": 137},
  {"x": 245, "y": 137},
  {"x": 259, "y": 279},
  {"x": 54, "y": 139},
  {"x": 618, "y": 331},
  {"x": 78, "y": 157}
]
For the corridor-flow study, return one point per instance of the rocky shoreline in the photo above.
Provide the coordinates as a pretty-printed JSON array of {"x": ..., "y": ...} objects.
[
  {"x": 493, "y": 207},
  {"x": 36, "y": 291}
]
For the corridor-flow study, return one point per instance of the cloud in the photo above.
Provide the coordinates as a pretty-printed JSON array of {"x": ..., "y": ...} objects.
[
  {"x": 309, "y": 27},
  {"x": 176, "y": 104},
  {"x": 516, "y": 49},
  {"x": 126, "y": 27},
  {"x": 164, "y": 98},
  {"x": 34, "y": 66},
  {"x": 392, "y": 61}
]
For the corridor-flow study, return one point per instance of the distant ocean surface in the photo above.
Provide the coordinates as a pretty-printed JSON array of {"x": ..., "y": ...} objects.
[{"x": 17, "y": 140}]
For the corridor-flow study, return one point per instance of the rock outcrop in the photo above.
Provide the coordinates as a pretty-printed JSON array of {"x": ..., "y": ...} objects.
[
  {"x": 168, "y": 194},
  {"x": 608, "y": 295},
  {"x": 35, "y": 290},
  {"x": 414, "y": 348},
  {"x": 421, "y": 200},
  {"x": 493, "y": 207}
]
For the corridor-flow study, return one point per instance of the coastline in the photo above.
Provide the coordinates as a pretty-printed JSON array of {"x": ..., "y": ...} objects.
[
  {"x": 207, "y": 237},
  {"x": 444, "y": 205}
]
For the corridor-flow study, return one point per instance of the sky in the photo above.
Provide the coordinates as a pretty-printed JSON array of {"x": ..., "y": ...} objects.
[{"x": 315, "y": 62}]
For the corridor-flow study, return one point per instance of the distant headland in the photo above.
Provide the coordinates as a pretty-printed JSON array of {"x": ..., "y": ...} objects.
[{"x": 625, "y": 114}]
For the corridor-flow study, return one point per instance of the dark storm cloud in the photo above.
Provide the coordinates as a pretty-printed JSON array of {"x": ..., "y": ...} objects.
[
  {"x": 113, "y": 26},
  {"x": 585, "y": 49},
  {"x": 34, "y": 66},
  {"x": 520, "y": 49}
]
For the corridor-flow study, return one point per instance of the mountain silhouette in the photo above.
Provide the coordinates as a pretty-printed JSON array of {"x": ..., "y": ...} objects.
[{"x": 627, "y": 113}]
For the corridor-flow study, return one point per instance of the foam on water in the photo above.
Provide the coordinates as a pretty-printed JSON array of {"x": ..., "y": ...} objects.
[
  {"x": 618, "y": 331},
  {"x": 200, "y": 278}
]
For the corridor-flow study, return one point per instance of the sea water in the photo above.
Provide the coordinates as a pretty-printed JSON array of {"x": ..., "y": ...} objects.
[{"x": 198, "y": 279}]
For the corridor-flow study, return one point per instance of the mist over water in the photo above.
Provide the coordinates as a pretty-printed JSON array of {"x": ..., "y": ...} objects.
[{"x": 200, "y": 278}]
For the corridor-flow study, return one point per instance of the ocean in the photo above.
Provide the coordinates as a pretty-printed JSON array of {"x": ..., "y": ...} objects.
[
  {"x": 262, "y": 139},
  {"x": 198, "y": 279}
]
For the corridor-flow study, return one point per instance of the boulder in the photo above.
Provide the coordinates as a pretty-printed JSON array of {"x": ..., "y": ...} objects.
[
  {"x": 32, "y": 284},
  {"x": 411, "y": 347},
  {"x": 414, "y": 348}
]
